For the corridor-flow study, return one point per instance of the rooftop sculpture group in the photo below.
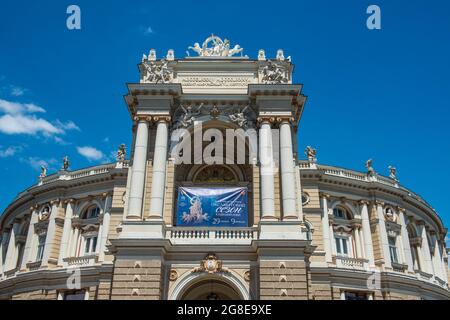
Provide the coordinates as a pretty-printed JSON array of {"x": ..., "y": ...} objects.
[{"x": 218, "y": 48}]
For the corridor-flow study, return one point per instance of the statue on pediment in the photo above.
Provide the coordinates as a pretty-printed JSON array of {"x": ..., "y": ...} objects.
[
  {"x": 121, "y": 152},
  {"x": 311, "y": 153},
  {"x": 214, "y": 46},
  {"x": 43, "y": 172},
  {"x": 370, "y": 169},
  {"x": 66, "y": 163}
]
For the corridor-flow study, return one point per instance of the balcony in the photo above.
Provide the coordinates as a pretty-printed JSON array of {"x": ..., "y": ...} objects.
[
  {"x": 82, "y": 261},
  {"x": 351, "y": 263},
  {"x": 203, "y": 236}
]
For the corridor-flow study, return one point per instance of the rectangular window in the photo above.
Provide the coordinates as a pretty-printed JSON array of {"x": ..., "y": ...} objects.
[
  {"x": 355, "y": 295},
  {"x": 74, "y": 295},
  {"x": 90, "y": 245},
  {"x": 393, "y": 249},
  {"x": 41, "y": 246},
  {"x": 341, "y": 246}
]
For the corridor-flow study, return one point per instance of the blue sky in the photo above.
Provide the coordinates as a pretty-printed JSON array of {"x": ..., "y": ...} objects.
[{"x": 381, "y": 94}]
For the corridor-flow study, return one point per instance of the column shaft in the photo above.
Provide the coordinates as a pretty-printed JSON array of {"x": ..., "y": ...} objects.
[
  {"x": 11, "y": 254},
  {"x": 383, "y": 236},
  {"x": 367, "y": 234},
  {"x": 28, "y": 251},
  {"x": 159, "y": 171},
  {"x": 138, "y": 172},
  {"x": 326, "y": 230},
  {"x": 50, "y": 237},
  {"x": 405, "y": 242},
  {"x": 66, "y": 232},
  {"x": 428, "y": 266},
  {"x": 267, "y": 172},
  {"x": 287, "y": 172},
  {"x": 105, "y": 228}
]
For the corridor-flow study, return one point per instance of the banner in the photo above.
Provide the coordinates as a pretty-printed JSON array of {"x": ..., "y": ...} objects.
[{"x": 218, "y": 207}]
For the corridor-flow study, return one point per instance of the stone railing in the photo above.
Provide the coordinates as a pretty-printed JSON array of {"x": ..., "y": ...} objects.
[
  {"x": 77, "y": 174},
  {"x": 355, "y": 175},
  {"x": 87, "y": 260},
  {"x": 351, "y": 263},
  {"x": 185, "y": 235}
]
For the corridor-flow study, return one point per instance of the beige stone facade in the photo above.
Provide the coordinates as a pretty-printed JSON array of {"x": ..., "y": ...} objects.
[{"x": 314, "y": 232}]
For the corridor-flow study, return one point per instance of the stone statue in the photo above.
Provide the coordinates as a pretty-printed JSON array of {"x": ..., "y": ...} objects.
[
  {"x": 121, "y": 153},
  {"x": 43, "y": 172},
  {"x": 213, "y": 46},
  {"x": 392, "y": 173},
  {"x": 188, "y": 117},
  {"x": 274, "y": 74},
  {"x": 66, "y": 163},
  {"x": 311, "y": 153},
  {"x": 370, "y": 170},
  {"x": 239, "y": 118}
]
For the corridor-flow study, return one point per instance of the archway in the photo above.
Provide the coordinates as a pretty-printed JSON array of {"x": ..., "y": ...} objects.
[
  {"x": 210, "y": 289},
  {"x": 205, "y": 286}
]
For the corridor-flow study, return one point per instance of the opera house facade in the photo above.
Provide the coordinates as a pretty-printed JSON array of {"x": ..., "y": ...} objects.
[{"x": 212, "y": 203}]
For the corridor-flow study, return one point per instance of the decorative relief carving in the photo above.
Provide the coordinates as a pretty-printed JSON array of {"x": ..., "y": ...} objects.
[
  {"x": 274, "y": 73},
  {"x": 247, "y": 275},
  {"x": 155, "y": 72},
  {"x": 173, "y": 275},
  {"x": 210, "y": 265},
  {"x": 215, "y": 81},
  {"x": 215, "y": 173}
]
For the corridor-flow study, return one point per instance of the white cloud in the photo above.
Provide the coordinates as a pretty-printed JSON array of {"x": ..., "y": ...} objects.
[
  {"x": 90, "y": 153},
  {"x": 10, "y": 151},
  {"x": 20, "y": 118},
  {"x": 24, "y": 124},
  {"x": 17, "y": 91},
  {"x": 69, "y": 125},
  {"x": 19, "y": 108}
]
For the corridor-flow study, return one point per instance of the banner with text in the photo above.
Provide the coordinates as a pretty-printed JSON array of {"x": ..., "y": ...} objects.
[{"x": 218, "y": 207}]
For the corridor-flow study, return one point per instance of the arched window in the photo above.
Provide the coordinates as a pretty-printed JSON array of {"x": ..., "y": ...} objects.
[
  {"x": 340, "y": 213},
  {"x": 91, "y": 212}
]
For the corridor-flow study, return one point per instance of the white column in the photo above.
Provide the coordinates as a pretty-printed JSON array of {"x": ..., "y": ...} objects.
[
  {"x": 28, "y": 251},
  {"x": 361, "y": 242},
  {"x": 444, "y": 264},
  {"x": 437, "y": 259},
  {"x": 1, "y": 259},
  {"x": 405, "y": 241},
  {"x": 11, "y": 254},
  {"x": 66, "y": 232},
  {"x": 367, "y": 234},
  {"x": 105, "y": 227},
  {"x": 357, "y": 243},
  {"x": 138, "y": 173},
  {"x": 427, "y": 265},
  {"x": 3, "y": 250},
  {"x": 383, "y": 235},
  {"x": 287, "y": 171},
  {"x": 159, "y": 169},
  {"x": 75, "y": 243},
  {"x": 326, "y": 229},
  {"x": 267, "y": 171},
  {"x": 50, "y": 237}
]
